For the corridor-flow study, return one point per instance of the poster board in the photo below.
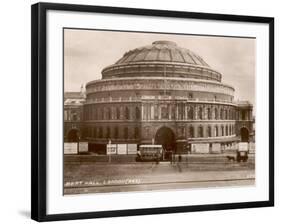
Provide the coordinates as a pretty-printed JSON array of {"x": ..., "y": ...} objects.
[
  {"x": 243, "y": 146},
  {"x": 83, "y": 147},
  {"x": 132, "y": 149},
  {"x": 216, "y": 148},
  {"x": 121, "y": 149},
  {"x": 200, "y": 148},
  {"x": 70, "y": 148},
  {"x": 111, "y": 149}
]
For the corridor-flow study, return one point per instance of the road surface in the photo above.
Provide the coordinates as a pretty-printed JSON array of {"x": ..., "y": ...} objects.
[{"x": 105, "y": 177}]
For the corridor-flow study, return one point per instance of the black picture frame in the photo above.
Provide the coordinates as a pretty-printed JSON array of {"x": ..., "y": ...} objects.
[{"x": 39, "y": 107}]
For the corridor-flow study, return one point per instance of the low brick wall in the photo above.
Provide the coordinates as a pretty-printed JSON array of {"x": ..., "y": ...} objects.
[{"x": 99, "y": 158}]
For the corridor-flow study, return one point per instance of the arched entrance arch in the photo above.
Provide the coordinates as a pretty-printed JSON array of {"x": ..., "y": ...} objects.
[
  {"x": 244, "y": 132},
  {"x": 166, "y": 137},
  {"x": 73, "y": 135}
]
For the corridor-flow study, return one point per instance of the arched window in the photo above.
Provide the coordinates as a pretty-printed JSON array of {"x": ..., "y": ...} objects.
[
  {"x": 173, "y": 115},
  {"x": 221, "y": 114},
  {"x": 138, "y": 113},
  {"x": 222, "y": 130},
  {"x": 102, "y": 113},
  {"x": 100, "y": 132},
  {"x": 98, "y": 114},
  {"x": 200, "y": 113},
  {"x": 117, "y": 113},
  {"x": 200, "y": 131},
  {"x": 136, "y": 133},
  {"x": 191, "y": 132},
  {"x": 106, "y": 113},
  {"x": 107, "y": 132},
  {"x": 190, "y": 113},
  {"x": 226, "y": 114},
  {"x": 127, "y": 113},
  {"x": 209, "y": 131},
  {"x": 216, "y": 131},
  {"x": 90, "y": 113},
  {"x": 95, "y": 114},
  {"x": 125, "y": 132},
  {"x": 209, "y": 113},
  {"x": 92, "y": 132},
  {"x": 226, "y": 130},
  {"x": 180, "y": 111},
  {"x": 116, "y": 132},
  {"x": 84, "y": 131},
  {"x": 216, "y": 114},
  {"x": 109, "y": 113}
]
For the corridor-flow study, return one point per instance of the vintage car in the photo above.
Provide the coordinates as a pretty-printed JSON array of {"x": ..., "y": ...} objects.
[{"x": 242, "y": 152}]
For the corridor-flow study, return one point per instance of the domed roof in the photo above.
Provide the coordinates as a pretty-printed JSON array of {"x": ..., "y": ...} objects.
[
  {"x": 161, "y": 59},
  {"x": 162, "y": 51}
]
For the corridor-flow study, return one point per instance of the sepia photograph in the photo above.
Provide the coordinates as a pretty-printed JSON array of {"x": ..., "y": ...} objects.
[{"x": 148, "y": 111}]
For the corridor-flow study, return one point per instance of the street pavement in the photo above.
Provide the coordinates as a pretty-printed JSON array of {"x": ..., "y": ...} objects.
[{"x": 109, "y": 177}]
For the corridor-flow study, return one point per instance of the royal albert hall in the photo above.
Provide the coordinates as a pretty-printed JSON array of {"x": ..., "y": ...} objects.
[{"x": 163, "y": 94}]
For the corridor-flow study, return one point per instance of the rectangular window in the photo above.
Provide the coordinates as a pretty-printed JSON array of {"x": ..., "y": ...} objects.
[{"x": 164, "y": 112}]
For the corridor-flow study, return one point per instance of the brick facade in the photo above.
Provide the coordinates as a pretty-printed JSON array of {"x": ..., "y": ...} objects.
[{"x": 135, "y": 99}]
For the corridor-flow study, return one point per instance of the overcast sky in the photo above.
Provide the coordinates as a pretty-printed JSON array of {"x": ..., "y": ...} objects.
[{"x": 87, "y": 52}]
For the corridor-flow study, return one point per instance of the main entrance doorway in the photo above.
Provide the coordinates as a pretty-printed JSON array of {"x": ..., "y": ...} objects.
[{"x": 166, "y": 137}]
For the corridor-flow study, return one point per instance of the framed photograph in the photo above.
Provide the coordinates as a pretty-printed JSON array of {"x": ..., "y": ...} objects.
[{"x": 139, "y": 111}]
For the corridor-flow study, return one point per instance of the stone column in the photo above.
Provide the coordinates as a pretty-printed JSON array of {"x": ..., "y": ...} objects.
[
  {"x": 177, "y": 111},
  {"x": 170, "y": 111},
  {"x": 185, "y": 111},
  {"x": 159, "y": 112},
  {"x": 152, "y": 111},
  {"x": 250, "y": 114},
  {"x": 156, "y": 111},
  {"x": 142, "y": 112},
  {"x": 148, "y": 111},
  {"x": 204, "y": 117},
  {"x": 122, "y": 113}
]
